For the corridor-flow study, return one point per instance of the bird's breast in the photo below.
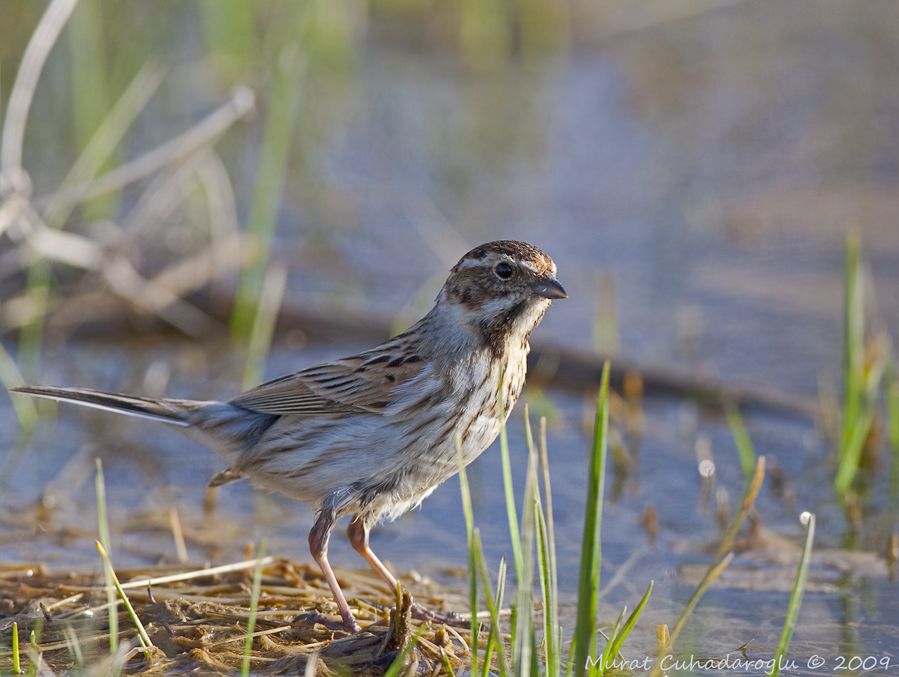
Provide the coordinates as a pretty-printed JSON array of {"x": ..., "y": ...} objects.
[{"x": 491, "y": 392}]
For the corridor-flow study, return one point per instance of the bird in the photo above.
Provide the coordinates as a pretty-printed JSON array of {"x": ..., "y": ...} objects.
[{"x": 371, "y": 435}]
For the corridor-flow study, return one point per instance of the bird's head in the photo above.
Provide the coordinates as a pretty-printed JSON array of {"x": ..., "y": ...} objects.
[{"x": 502, "y": 289}]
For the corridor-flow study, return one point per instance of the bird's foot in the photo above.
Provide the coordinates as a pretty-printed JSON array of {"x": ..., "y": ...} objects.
[
  {"x": 446, "y": 617},
  {"x": 347, "y": 624}
]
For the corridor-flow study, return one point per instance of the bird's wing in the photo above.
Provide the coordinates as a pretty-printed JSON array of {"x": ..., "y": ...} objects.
[{"x": 362, "y": 383}]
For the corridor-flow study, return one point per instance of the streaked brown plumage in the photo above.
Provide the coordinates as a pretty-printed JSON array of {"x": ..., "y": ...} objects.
[{"x": 373, "y": 434}]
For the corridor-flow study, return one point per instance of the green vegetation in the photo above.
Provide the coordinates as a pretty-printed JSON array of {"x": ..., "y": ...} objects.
[
  {"x": 254, "y": 605},
  {"x": 269, "y": 180},
  {"x": 519, "y": 652},
  {"x": 263, "y": 327},
  {"x": 723, "y": 554},
  {"x": 399, "y": 663},
  {"x": 142, "y": 635},
  {"x": 16, "y": 659},
  {"x": 10, "y": 377},
  {"x": 103, "y": 530},
  {"x": 808, "y": 521},
  {"x": 621, "y": 631},
  {"x": 523, "y": 651},
  {"x": 864, "y": 365},
  {"x": 742, "y": 441},
  {"x": 584, "y": 639},
  {"x": 473, "y": 565}
]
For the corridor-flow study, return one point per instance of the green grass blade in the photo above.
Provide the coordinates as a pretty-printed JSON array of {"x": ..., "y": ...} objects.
[
  {"x": 551, "y": 652},
  {"x": 142, "y": 635},
  {"x": 254, "y": 606},
  {"x": 855, "y": 423},
  {"x": 572, "y": 649},
  {"x": 283, "y": 105},
  {"x": 605, "y": 661},
  {"x": 447, "y": 666},
  {"x": 591, "y": 554},
  {"x": 749, "y": 496},
  {"x": 31, "y": 334},
  {"x": 10, "y": 377},
  {"x": 876, "y": 362},
  {"x": 35, "y": 656},
  {"x": 103, "y": 530},
  {"x": 551, "y": 599},
  {"x": 104, "y": 142},
  {"x": 853, "y": 335},
  {"x": 723, "y": 556},
  {"x": 91, "y": 160},
  {"x": 851, "y": 452},
  {"x": 495, "y": 638},
  {"x": 618, "y": 639},
  {"x": 524, "y": 632},
  {"x": 472, "y": 556},
  {"x": 492, "y": 604},
  {"x": 712, "y": 573},
  {"x": 16, "y": 659},
  {"x": 396, "y": 668},
  {"x": 263, "y": 329},
  {"x": 808, "y": 519},
  {"x": 508, "y": 486},
  {"x": 90, "y": 87},
  {"x": 229, "y": 27},
  {"x": 741, "y": 439}
]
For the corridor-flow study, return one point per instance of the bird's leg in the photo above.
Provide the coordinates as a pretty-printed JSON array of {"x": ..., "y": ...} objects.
[
  {"x": 358, "y": 532},
  {"x": 318, "y": 546}
]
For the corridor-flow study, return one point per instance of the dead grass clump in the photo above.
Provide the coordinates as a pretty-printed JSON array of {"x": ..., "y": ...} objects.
[{"x": 197, "y": 621}]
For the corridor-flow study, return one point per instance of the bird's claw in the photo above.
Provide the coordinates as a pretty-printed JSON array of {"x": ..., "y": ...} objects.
[{"x": 348, "y": 625}]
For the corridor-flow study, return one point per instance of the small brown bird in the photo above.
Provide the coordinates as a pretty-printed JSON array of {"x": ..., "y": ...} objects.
[{"x": 373, "y": 434}]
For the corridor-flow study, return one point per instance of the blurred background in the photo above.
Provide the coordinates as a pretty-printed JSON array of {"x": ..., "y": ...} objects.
[{"x": 693, "y": 166}]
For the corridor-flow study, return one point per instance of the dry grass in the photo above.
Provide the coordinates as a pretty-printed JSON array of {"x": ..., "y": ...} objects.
[{"x": 197, "y": 621}]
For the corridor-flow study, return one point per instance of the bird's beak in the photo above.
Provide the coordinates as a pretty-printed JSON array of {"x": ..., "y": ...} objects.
[{"x": 549, "y": 288}]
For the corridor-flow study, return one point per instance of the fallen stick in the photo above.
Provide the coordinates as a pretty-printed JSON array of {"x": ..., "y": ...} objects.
[{"x": 548, "y": 364}]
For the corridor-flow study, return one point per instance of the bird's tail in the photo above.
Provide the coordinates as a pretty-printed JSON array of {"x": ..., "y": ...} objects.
[
  {"x": 223, "y": 427},
  {"x": 174, "y": 412}
]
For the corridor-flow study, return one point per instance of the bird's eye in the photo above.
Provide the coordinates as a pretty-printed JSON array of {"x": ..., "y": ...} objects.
[{"x": 503, "y": 270}]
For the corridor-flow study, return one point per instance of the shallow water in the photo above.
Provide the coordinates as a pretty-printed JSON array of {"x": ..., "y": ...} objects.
[
  {"x": 149, "y": 468},
  {"x": 709, "y": 165}
]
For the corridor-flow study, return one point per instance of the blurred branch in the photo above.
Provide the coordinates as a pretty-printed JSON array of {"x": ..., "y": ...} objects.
[
  {"x": 548, "y": 363},
  {"x": 35, "y": 227},
  {"x": 12, "y": 208},
  {"x": 156, "y": 295},
  {"x": 45, "y": 36},
  {"x": 161, "y": 197},
  {"x": 155, "y": 298},
  {"x": 283, "y": 105},
  {"x": 104, "y": 141},
  {"x": 221, "y": 204},
  {"x": 61, "y": 247},
  {"x": 240, "y": 105},
  {"x": 192, "y": 274}
]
